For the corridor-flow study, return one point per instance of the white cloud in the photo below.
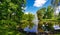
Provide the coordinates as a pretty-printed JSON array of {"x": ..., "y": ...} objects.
[{"x": 39, "y": 3}]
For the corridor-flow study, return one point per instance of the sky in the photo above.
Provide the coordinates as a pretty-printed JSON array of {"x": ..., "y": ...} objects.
[{"x": 33, "y": 6}]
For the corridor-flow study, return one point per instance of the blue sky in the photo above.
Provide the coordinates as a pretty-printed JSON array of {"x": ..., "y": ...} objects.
[{"x": 34, "y": 5}]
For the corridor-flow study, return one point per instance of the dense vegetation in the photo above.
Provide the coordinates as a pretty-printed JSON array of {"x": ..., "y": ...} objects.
[
  {"x": 12, "y": 17},
  {"x": 48, "y": 16}
]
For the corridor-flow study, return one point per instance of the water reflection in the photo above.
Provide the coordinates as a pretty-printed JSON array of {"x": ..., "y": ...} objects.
[{"x": 35, "y": 27}]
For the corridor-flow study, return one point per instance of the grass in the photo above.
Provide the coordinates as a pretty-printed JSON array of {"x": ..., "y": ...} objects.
[{"x": 56, "y": 34}]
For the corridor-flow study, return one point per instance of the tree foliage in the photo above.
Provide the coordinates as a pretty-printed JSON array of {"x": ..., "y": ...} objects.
[
  {"x": 45, "y": 13},
  {"x": 27, "y": 20},
  {"x": 55, "y": 3},
  {"x": 10, "y": 16},
  {"x": 49, "y": 14},
  {"x": 40, "y": 13}
]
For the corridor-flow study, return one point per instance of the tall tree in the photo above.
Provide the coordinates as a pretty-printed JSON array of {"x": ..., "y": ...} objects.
[
  {"x": 49, "y": 14},
  {"x": 40, "y": 14},
  {"x": 27, "y": 20},
  {"x": 55, "y": 3},
  {"x": 10, "y": 16}
]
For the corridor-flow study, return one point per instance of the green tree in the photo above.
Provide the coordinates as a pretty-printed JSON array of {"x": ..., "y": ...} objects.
[
  {"x": 40, "y": 14},
  {"x": 49, "y": 14},
  {"x": 55, "y": 3},
  {"x": 27, "y": 20},
  {"x": 43, "y": 15},
  {"x": 10, "y": 16},
  {"x": 58, "y": 18}
]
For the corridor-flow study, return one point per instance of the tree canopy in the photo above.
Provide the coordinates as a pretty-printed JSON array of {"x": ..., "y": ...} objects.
[{"x": 10, "y": 16}]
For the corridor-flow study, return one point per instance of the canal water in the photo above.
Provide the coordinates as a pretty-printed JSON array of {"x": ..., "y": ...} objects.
[{"x": 35, "y": 27}]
